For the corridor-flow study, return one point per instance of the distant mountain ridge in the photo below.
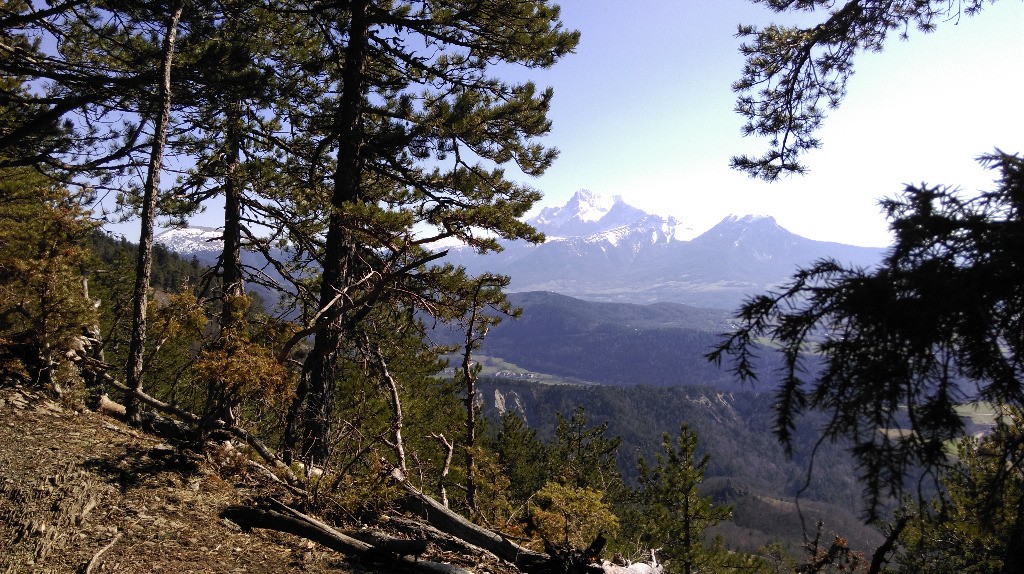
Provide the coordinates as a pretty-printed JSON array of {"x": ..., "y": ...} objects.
[{"x": 603, "y": 249}]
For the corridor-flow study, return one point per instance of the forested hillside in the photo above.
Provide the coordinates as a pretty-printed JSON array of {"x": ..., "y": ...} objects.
[
  {"x": 612, "y": 343},
  {"x": 170, "y": 270},
  {"x": 747, "y": 466},
  {"x": 344, "y": 142}
]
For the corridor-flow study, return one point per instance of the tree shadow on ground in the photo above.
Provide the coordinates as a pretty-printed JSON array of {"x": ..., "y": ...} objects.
[{"x": 132, "y": 468}]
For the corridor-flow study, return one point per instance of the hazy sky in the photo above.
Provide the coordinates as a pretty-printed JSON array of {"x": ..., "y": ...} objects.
[{"x": 644, "y": 110}]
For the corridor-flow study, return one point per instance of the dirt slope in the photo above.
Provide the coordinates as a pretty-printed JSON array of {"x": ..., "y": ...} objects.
[{"x": 82, "y": 492}]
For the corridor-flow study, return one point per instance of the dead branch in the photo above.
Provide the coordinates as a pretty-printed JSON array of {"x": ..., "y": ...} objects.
[
  {"x": 96, "y": 557},
  {"x": 456, "y": 525},
  {"x": 442, "y": 540},
  {"x": 285, "y": 519},
  {"x": 389, "y": 382},
  {"x": 449, "y": 451}
]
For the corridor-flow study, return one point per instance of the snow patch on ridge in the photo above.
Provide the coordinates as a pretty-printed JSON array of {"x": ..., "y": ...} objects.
[
  {"x": 585, "y": 206},
  {"x": 190, "y": 240},
  {"x": 747, "y": 219}
]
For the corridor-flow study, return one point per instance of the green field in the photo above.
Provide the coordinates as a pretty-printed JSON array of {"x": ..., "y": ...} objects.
[
  {"x": 982, "y": 413},
  {"x": 499, "y": 368}
]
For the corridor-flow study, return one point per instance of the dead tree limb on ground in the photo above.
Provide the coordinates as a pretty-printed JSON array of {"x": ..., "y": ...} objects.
[
  {"x": 400, "y": 555},
  {"x": 455, "y": 524},
  {"x": 256, "y": 444}
]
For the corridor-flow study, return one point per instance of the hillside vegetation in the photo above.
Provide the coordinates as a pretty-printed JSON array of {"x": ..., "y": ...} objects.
[
  {"x": 344, "y": 143},
  {"x": 747, "y": 467}
]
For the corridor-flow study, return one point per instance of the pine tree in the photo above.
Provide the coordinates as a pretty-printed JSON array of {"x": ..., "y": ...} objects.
[
  {"x": 521, "y": 455},
  {"x": 416, "y": 104},
  {"x": 486, "y": 306},
  {"x": 937, "y": 324},
  {"x": 583, "y": 456},
  {"x": 793, "y": 74},
  {"x": 976, "y": 524},
  {"x": 44, "y": 310},
  {"x": 674, "y": 514}
]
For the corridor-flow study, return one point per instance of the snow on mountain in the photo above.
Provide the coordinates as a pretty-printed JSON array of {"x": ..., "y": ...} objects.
[
  {"x": 748, "y": 219},
  {"x": 584, "y": 207},
  {"x": 598, "y": 218},
  {"x": 197, "y": 241},
  {"x": 602, "y": 248}
]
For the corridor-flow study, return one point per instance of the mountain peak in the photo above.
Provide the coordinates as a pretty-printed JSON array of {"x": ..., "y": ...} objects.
[
  {"x": 760, "y": 233},
  {"x": 589, "y": 206},
  {"x": 584, "y": 206},
  {"x": 597, "y": 217},
  {"x": 748, "y": 219}
]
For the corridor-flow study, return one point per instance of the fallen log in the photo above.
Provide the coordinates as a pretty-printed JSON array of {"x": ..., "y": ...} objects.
[
  {"x": 458, "y": 526},
  {"x": 442, "y": 540},
  {"x": 399, "y": 546},
  {"x": 304, "y": 526}
]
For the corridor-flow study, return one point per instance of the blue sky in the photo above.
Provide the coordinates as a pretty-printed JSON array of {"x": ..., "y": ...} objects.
[{"x": 644, "y": 109}]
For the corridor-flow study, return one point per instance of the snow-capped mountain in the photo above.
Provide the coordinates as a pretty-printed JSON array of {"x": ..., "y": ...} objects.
[
  {"x": 604, "y": 249},
  {"x": 597, "y": 218},
  {"x": 584, "y": 207},
  {"x": 203, "y": 242}
]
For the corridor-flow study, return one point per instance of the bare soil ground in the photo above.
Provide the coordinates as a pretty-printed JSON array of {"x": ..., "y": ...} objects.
[{"x": 81, "y": 492}]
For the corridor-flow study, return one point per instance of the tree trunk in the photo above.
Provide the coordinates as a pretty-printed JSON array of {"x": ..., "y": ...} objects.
[
  {"x": 218, "y": 404},
  {"x": 144, "y": 262},
  {"x": 469, "y": 374},
  {"x": 234, "y": 285},
  {"x": 470, "y": 380},
  {"x": 340, "y": 250}
]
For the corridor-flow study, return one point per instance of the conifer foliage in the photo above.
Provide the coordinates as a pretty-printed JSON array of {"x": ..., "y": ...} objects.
[
  {"x": 976, "y": 523},
  {"x": 420, "y": 128},
  {"x": 675, "y": 515},
  {"x": 937, "y": 324},
  {"x": 793, "y": 74},
  {"x": 44, "y": 307}
]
